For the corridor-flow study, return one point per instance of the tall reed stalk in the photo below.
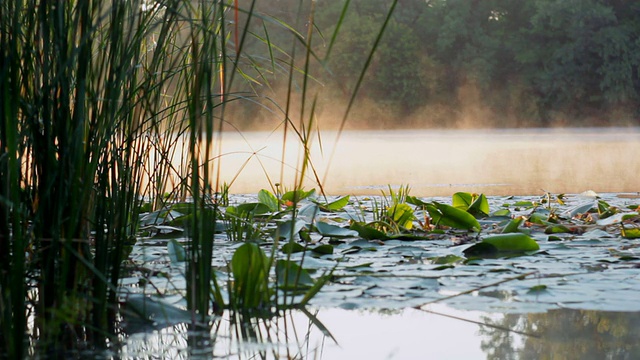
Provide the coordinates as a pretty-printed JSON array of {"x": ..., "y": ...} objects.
[{"x": 97, "y": 99}]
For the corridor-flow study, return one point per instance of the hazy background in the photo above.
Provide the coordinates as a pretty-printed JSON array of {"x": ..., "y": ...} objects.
[
  {"x": 457, "y": 63},
  {"x": 504, "y": 97}
]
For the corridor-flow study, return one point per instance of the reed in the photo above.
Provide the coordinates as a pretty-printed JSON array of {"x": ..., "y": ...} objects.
[{"x": 97, "y": 100}]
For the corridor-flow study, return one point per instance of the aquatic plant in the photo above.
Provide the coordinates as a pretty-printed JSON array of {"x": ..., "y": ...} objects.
[{"x": 97, "y": 101}]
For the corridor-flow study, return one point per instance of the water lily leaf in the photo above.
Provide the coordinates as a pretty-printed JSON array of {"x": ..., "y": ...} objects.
[
  {"x": 471, "y": 203},
  {"x": 537, "y": 289},
  {"x": 335, "y": 205},
  {"x": 309, "y": 212},
  {"x": 479, "y": 206},
  {"x": 176, "y": 251},
  {"x": 159, "y": 217},
  {"x": 447, "y": 259},
  {"x": 513, "y": 225},
  {"x": 246, "y": 209},
  {"x": 415, "y": 201},
  {"x": 149, "y": 309},
  {"x": 291, "y": 276},
  {"x": 501, "y": 213},
  {"x": 462, "y": 200},
  {"x": 292, "y": 248},
  {"x": 581, "y": 209},
  {"x": 556, "y": 229},
  {"x": 324, "y": 249},
  {"x": 630, "y": 232},
  {"x": 326, "y": 229},
  {"x": 503, "y": 244},
  {"x": 290, "y": 228},
  {"x": 297, "y": 195},
  {"x": 270, "y": 200},
  {"x": 250, "y": 268},
  {"x": 447, "y": 215},
  {"x": 524, "y": 203},
  {"x": 367, "y": 232},
  {"x": 617, "y": 218},
  {"x": 517, "y": 242},
  {"x": 540, "y": 218}
]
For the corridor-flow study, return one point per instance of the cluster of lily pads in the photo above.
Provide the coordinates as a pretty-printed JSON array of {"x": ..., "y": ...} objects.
[{"x": 288, "y": 250}]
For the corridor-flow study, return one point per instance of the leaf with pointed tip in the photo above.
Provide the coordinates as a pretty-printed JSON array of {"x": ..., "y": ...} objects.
[
  {"x": 290, "y": 228},
  {"x": 270, "y": 200},
  {"x": 443, "y": 214}
]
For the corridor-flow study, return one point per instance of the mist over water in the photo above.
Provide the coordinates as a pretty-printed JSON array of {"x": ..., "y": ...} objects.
[{"x": 441, "y": 162}]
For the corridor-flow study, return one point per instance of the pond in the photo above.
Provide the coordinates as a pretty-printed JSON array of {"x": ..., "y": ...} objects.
[{"x": 420, "y": 298}]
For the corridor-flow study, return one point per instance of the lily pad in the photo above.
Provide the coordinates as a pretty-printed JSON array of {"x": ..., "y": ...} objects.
[
  {"x": 326, "y": 229},
  {"x": 503, "y": 244}
]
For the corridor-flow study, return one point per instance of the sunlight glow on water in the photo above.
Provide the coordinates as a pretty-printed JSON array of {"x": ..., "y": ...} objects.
[{"x": 442, "y": 162}]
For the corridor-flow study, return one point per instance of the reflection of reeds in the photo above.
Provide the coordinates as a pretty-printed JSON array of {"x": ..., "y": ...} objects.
[{"x": 94, "y": 97}]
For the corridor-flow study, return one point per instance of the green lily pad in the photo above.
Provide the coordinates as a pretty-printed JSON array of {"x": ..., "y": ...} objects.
[
  {"x": 443, "y": 214},
  {"x": 367, "y": 232},
  {"x": 503, "y": 244},
  {"x": 326, "y": 229},
  {"x": 291, "y": 276}
]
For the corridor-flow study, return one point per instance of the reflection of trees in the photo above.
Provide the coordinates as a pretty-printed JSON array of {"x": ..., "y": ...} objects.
[{"x": 564, "y": 334}]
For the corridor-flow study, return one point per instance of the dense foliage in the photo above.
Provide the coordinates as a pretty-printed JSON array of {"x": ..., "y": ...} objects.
[{"x": 491, "y": 62}]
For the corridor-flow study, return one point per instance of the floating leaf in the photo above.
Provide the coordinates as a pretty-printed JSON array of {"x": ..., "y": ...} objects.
[
  {"x": 149, "y": 309},
  {"x": 297, "y": 195},
  {"x": 447, "y": 259},
  {"x": 503, "y": 244},
  {"x": 368, "y": 232},
  {"x": 335, "y": 205},
  {"x": 326, "y": 229},
  {"x": 537, "y": 289},
  {"x": 292, "y": 247},
  {"x": 415, "y": 201},
  {"x": 471, "y": 203},
  {"x": 290, "y": 228},
  {"x": 630, "y": 232},
  {"x": 556, "y": 229},
  {"x": 617, "y": 218},
  {"x": 176, "y": 251},
  {"x": 291, "y": 276},
  {"x": 447, "y": 215},
  {"x": 324, "y": 249},
  {"x": 513, "y": 225},
  {"x": 462, "y": 200}
]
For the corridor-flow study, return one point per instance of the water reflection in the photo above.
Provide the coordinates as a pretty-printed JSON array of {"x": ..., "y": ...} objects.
[
  {"x": 402, "y": 334},
  {"x": 565, "y": 334}
]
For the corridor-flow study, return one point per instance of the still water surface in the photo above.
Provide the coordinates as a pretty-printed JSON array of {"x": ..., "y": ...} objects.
[
  {"x": 412, "y": 334},
  {"x": 442, "y": 162}
]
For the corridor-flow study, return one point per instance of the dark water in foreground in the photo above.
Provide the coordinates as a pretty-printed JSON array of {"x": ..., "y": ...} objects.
[{"x": 441, "y": 162}]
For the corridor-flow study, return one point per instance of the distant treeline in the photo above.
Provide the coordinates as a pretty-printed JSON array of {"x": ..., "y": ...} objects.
[{"x": 483, "y": 63}]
